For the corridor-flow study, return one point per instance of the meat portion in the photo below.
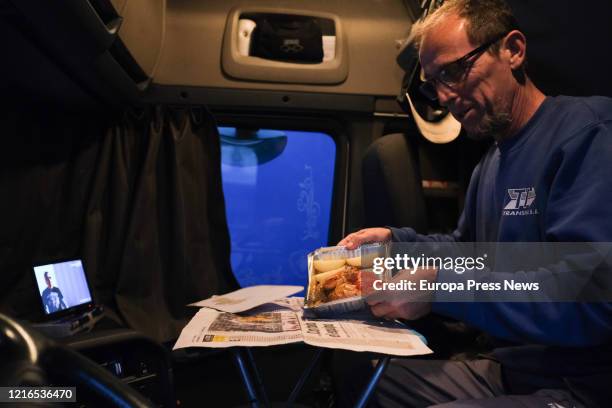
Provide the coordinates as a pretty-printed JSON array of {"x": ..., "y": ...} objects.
[
  {"x": 344, "y": 290},
  {"x": 343, "y": 284}
]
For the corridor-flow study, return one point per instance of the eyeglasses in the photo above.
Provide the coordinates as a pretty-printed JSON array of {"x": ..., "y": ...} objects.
[{"x": 455, "y": 72}]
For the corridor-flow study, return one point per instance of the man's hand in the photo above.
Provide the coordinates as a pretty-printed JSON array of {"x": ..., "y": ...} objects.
[
  {"x": 397, "y": 309},
  {"x": 404, "y": 304},
  {"x": 356, "y": 239}
]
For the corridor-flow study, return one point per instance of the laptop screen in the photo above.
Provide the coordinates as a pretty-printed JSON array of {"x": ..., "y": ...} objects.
[{"x": 62, "y": 286}]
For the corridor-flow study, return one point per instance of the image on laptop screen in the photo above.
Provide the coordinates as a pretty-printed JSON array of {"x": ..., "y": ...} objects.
[{"x": 62, "y": 286}]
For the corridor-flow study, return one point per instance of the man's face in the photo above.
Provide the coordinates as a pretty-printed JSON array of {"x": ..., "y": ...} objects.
[{"x": 481, "y": 102}]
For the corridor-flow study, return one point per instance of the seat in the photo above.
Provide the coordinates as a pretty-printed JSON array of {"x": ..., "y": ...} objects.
[
  {"x": 411, "y": 182},
  {"x": 393, "y": 194}
]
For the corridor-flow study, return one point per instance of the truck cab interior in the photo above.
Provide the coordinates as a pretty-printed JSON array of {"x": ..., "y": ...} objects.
[{"x": 172, "y": 149}]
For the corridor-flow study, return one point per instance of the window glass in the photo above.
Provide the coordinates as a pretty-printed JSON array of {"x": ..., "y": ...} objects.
[{"x": 278, "y": 193}]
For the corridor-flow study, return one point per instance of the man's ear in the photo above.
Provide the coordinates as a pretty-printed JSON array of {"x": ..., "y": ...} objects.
[{"x": 515, "y": 49}]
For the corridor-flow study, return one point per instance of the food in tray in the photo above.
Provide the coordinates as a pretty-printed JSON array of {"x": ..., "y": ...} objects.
[
  {"x": 338, "y": 274},
  {"x": 354, "y": 261},
  {"x": 324, "y": 265},
  {"x": 340, "y": 283}
]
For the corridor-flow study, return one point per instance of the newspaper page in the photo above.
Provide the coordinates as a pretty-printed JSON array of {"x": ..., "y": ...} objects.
[
  {"x": 247, "y": 298},
  {"x": 267, "y": 325},
  {"x": 385, "y": 337},
  {"x": 282, "y": 322}
]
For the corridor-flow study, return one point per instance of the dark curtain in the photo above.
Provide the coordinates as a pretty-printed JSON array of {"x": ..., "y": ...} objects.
[{"x": 138, "y": 198}]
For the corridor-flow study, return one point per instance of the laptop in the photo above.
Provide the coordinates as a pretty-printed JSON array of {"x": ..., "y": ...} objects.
[{"x": 63, "y": 290}]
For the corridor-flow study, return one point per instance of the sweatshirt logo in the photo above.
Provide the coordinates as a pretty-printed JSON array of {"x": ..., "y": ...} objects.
[{"x": 521, "y": 201}]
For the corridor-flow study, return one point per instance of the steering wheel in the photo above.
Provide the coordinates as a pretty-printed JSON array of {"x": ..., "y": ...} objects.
[{"x": 27, "y": 358}]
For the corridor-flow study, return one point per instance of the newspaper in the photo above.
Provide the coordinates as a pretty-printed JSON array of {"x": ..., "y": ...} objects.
[
  {"x": 267, "y": 325},
  {"x": 282, "y": 322},
  {"x": 247, "y": 298},
  {"x": 385, "y": 337}
]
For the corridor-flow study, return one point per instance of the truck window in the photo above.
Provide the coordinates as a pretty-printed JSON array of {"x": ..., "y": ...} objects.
[{"x": 278, "y": 194}]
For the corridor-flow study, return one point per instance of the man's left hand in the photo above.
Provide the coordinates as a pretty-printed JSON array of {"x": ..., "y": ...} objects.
[{"x": 408, "y": 310}]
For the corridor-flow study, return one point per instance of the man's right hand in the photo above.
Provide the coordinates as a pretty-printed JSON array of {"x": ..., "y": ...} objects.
[{"x": 364, "y": 236}]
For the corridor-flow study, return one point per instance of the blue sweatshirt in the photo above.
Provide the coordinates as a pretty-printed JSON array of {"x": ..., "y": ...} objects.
[{"x": 552, "y": 181}]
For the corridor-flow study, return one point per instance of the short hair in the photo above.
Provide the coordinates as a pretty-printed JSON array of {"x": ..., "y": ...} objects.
[{"x": 486, "y": 20}]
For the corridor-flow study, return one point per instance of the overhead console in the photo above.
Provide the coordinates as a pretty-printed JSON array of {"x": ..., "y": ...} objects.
[
  {"x": 109, "y": 47},
  {"x": 284, "y": 46},
  {"x": 142, "y": 30}
]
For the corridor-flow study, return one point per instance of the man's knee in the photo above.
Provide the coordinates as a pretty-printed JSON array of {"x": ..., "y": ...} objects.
[
  {"x": 413, "y": 382},
  {"x": 420, "y": 383},
  {"x": 541, "y": 399}
]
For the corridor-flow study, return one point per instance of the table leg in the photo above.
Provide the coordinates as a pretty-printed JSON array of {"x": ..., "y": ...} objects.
[
  {"x": 367, "y": 393},
  {"x": 302, "y": 380},
  {"x": 246, "y": 378},
  {"x": 260, "y": 385}
]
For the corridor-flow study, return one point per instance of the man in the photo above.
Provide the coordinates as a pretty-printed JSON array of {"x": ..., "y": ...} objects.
[
  {"x": 555, "y": 150},
  {"x": 52, "y": 296}
]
